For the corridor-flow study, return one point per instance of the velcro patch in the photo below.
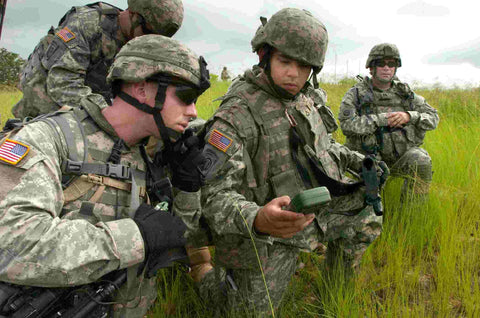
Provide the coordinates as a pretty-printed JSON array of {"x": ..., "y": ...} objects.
[
  {"x": 12, "y": 151},
  {"x": 65, "y": 34},
  {"x": 219, "y": 141}
]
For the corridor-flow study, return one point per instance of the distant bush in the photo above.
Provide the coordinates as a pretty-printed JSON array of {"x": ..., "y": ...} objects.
[
  {"x": 10, "y": 66},
  {"x": 213, "y": 77}
]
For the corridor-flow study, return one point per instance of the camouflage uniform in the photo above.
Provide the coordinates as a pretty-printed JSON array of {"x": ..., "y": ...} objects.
[
  {"x": 251, "y": 117},
  {"x": 72, "y": 61},
  {"x": 55, "y": 237},
  {"x": 363, "y": 121}
]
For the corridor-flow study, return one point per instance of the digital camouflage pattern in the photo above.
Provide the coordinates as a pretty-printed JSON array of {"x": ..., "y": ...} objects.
[
  {"x": 363, "y": 111},
  {"x": 71, "y": 63},
  {"x": 382, "y": 51},
  {"x": 165, "y": 16},
  {"x": 258, "y": 167},
  {"x": 49, "y": 242},
  {"x": 73, "y": 60},
  {"x": 297, "y": 34},
  {"x": 155, "y": 54}
]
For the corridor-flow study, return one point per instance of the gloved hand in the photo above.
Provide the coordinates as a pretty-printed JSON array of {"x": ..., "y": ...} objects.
[
  {"x": 160, "y": 231},
  {"x": 186, "y": 162}
]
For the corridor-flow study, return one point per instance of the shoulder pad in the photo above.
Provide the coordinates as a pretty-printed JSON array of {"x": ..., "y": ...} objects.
[
  {"x": 319, "y": 96},
  {"x": 403, "y": 88}
]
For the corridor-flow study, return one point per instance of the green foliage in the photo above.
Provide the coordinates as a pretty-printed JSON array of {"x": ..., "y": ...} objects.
[
  {"x": 9, "y": 96},
  {"x": 213, "y": 78},
  {"x": 10, "y": 64}
]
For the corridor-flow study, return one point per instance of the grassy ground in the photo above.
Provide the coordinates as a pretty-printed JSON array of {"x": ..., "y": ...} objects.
[{"x": 426, "y": 262}]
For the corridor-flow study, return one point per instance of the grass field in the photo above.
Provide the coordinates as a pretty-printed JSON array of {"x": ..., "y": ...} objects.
[{"x": 426, "y": 263}]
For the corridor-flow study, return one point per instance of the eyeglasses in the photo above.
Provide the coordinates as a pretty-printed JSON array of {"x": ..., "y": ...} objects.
[
  {"x": 382, "y": 63},
  {"x": 186, "y": 93},
  {"x": 143, "y": 24}
]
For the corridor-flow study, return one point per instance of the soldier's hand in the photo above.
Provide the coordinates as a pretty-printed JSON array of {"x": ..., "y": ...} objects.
[
  {"x": 160, "y": 231},
  {"x": 271, "y": 219},
  {"x": 187, "y": 163},
  {"x": 398, "y": 119}
]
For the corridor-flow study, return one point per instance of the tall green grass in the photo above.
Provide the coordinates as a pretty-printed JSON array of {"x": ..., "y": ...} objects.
[
  {"x": 9, "y": 96},
  {"x": 426, "y": 263}
]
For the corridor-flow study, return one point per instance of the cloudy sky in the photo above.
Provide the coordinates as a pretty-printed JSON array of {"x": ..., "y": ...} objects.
[{"x": 438, "y": 39}]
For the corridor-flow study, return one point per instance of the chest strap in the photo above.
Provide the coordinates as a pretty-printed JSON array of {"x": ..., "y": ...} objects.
[{"x": 81, "y": 185}]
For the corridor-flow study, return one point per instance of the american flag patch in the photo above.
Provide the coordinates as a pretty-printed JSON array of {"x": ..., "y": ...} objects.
[
  {"x": 12, "y": 151},
  {"x": 65, "y": 34},
  {"x": 219, "y": 140}
]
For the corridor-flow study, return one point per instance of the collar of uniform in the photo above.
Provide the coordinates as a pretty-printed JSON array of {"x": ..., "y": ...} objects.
[
  {"x": 258, "y": 77},
  {"x": 94, "y": 104}
]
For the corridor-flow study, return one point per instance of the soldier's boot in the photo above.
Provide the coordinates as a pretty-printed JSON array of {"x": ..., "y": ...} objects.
[{"x": 200, "y": 262}]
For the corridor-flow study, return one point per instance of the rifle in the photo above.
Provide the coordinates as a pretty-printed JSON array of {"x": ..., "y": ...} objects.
[
  {"x": 90, "y": 300},
  {"x": 373, "y": 183}
]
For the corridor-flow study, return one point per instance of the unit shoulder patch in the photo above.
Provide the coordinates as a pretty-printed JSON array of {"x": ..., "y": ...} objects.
[
  {"x": 65, "y": 34},
  {"x": 12, "y": 151}
]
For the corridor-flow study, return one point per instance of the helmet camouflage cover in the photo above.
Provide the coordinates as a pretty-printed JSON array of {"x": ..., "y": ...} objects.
[
  {"x": 382, "y": 51},
  {"x": 296, "y": 33},
  {"x": 147, "y": 55},
  {"x": 165, "y": 16}
]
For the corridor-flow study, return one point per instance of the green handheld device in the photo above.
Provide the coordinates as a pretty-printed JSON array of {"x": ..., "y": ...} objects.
[{"x": 309, "y": 201}]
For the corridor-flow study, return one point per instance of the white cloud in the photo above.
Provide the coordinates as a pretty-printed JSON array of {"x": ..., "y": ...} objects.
[
  {"x": 423, "y": 9},
  {"x": 222, "y": 30}
]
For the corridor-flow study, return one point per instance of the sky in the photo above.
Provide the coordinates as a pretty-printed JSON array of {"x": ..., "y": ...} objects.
[{"x": 437, "y": 39}]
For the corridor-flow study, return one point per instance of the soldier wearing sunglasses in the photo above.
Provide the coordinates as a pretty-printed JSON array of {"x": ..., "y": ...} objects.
[
  {"x": 84, "y": 202},
  {"x": 382, "y": 116},
  {"x": 73, "y": 59}
]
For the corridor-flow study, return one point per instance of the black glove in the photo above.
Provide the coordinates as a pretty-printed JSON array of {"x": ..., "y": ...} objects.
[
  {"x": 160, "y": 231},
  {"x": 187, "y": 162}
]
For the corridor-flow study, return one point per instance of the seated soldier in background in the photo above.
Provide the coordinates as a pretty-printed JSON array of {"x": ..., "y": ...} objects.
[{"x": 384, "y": 117}]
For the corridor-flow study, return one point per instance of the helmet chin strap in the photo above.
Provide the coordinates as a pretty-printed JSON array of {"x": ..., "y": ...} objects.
[
  {"x": 264, "y": 55},
  {"x": 165, "y": 133}
]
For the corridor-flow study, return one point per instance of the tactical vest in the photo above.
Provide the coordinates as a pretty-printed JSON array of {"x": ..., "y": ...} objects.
[
  {"x": 98, "y": 189},
  {"x": 270, "y": 169},
  {"x": 45, "y": 54},
  {"x": 390, "y": 143}
]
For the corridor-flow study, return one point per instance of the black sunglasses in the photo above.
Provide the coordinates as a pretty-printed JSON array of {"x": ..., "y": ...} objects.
[
  {"x": 186, "y": 93},
  {"x": 382, "y": 63}
]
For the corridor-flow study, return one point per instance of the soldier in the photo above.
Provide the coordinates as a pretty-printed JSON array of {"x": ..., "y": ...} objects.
[
  {"x": 268, "y": 141},
  {"x": 74, "y": 207},
  {"x": 225, "y": 76},
  {"x": 383, "y": 116},
  {"x": 72, "y": 61}
]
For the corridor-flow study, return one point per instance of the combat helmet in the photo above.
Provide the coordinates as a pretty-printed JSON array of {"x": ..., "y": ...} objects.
[
  {"x": 296, "y": 33},
  {"x": 164, "y": 60},
  {"x": 145, "y": 56},
  {"x": 165, "y": 16},
  {"x": 382, "y": 51}
]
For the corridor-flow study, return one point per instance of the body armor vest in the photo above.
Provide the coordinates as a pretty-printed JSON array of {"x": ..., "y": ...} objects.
[
  {"x": 271, "y": 170},
  {"x": 99, "y": 189},
  {"x": 96, "y": 76},
  {"x": 390, "y": 143},
  {"x": 39, "y": 62}
]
